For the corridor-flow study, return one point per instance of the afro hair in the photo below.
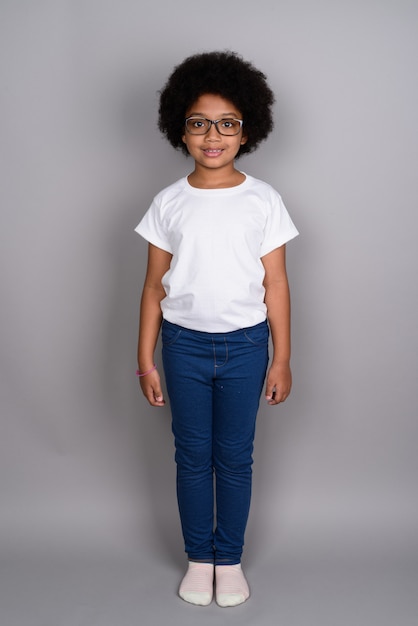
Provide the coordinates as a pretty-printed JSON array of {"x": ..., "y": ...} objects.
[{"x": 225, "y": 74}]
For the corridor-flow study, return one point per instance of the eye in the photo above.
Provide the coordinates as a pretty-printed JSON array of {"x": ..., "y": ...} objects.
[
  {"x": 197, "y": 123},
  {"x": 230, "y": 124}
]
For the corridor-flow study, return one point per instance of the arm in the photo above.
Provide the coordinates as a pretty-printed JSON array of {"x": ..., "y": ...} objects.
[
  {"x": 150, "y": 322},
  {"x": 277, "y": 299}
]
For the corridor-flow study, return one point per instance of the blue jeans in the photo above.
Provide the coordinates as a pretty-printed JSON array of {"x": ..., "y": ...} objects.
[{"x": 214, "y": 382}]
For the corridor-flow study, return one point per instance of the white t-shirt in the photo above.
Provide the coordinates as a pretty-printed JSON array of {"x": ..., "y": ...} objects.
[{"x": 217, "y": 238}]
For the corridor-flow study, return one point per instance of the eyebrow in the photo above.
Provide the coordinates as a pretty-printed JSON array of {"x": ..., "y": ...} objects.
[{"x": 222, "y": 116}]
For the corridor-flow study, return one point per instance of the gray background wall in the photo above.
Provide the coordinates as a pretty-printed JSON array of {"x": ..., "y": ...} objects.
[{"x": 88, "y": 520}]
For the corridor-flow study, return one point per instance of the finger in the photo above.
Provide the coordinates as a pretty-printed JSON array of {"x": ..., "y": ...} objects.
[
  {"x": 158, "y": 396},
  {"x": 282, "y": 396},
  {"x": 270, "y": 391},
  {"x": 155, "y": 396},
  {"x": 153, "y": 393},
  {"x": 277, "y": 396}
]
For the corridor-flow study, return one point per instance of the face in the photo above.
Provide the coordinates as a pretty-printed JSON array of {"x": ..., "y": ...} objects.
[{"x": 213, "y": 150}]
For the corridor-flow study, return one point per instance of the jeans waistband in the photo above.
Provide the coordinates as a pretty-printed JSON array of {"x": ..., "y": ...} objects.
[{"x": 203, "y": 334}]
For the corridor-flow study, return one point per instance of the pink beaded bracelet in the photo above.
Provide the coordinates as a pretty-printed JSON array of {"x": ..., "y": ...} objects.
[{"x": 140, "y": 374}]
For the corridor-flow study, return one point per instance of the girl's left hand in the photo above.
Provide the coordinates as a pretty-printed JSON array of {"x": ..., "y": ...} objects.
[{"x": 279, "y": 383}]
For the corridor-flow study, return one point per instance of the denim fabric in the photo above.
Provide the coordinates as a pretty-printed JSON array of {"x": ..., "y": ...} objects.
[{"x": 214, "y": 383}]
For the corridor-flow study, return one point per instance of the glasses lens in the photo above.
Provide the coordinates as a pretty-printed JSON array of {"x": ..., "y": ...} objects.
[
  {"x": 229, "y": 126},
  {"x": 197, "y": 125}
]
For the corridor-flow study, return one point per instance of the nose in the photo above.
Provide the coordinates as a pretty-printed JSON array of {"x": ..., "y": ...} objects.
[{"x": 213, "y": 134}]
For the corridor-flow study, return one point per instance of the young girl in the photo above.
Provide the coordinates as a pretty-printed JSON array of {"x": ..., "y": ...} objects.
[{"x": 216, "y": 273}]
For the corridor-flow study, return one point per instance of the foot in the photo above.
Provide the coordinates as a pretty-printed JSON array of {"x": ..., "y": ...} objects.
[
  {"x": 197, "y": 585},
  {"x": 231, "y": 585}
]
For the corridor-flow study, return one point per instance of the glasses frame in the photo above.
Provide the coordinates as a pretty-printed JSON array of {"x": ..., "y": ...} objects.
[{"x": 214, "y": 123}]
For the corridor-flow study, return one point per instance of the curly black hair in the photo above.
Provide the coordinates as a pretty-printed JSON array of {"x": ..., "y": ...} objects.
[{"x": 221, "y": 73}]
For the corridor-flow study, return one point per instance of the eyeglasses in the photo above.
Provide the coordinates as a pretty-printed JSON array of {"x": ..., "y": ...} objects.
[{"x": 196, "y": 125}]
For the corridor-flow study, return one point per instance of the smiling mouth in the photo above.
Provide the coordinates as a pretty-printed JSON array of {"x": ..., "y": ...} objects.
[{"x": 213, "y": 151}]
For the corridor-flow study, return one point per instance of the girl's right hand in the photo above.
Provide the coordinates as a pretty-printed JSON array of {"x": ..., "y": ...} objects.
[{"x": 151, "y": 388}]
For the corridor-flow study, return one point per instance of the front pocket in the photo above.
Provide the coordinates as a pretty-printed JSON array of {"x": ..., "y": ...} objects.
[
  {"x": 257, "y": 335},
  {"x": 169, "y": 333}
]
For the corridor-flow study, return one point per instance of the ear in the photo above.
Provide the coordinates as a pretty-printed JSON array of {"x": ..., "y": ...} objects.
[
  {"x": 244, "y": 140},
  {"x": 183, "y": 138}
]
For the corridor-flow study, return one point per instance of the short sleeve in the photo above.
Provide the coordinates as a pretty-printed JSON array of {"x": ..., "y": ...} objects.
[
  {"x": 152, "y": 229},
  {"x": 279, "y": 228}
]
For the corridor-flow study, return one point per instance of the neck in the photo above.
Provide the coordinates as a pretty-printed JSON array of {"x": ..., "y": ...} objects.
[{"x": 212, "y": 179}]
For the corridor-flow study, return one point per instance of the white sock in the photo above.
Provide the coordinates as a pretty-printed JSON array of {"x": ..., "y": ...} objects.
[
  {"x": 231, "y": 585},
  {"x": 197, "y": 585}
]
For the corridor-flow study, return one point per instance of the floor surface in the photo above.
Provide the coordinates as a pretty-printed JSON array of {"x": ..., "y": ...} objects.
[{"x": 352, "y": 589}]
